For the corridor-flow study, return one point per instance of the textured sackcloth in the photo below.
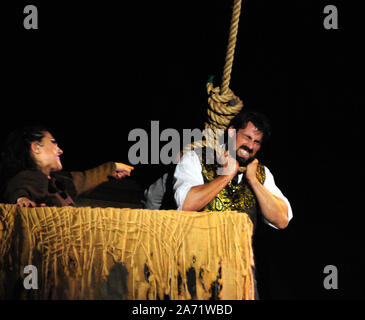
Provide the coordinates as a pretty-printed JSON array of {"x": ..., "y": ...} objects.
[{"x": 85, "y": 253}]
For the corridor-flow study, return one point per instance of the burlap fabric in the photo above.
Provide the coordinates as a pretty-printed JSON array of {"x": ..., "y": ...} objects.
[{"x": 85, "y": 253}]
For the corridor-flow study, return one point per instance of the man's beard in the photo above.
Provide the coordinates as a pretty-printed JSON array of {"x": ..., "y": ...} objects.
[{"x": 242, "y": 161}]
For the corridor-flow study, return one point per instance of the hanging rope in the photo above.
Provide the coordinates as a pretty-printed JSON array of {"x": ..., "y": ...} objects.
[
  {"x": 224, "y": 105},
  {"x": 231, "y": 46}
]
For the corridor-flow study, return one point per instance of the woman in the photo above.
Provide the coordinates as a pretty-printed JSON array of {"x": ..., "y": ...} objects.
[{"x": 31, "y": 171}]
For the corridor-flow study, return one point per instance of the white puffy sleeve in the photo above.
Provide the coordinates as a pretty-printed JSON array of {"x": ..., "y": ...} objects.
[{"x": 188, "y": 174}]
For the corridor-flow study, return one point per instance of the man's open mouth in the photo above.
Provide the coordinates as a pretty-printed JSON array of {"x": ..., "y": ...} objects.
[{"x": 243, "y": 153}]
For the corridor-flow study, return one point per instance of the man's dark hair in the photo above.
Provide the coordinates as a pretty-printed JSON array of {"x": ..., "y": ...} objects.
[
  {"x": 259, "y": 120},
  {"x": 15, "y": 152}
]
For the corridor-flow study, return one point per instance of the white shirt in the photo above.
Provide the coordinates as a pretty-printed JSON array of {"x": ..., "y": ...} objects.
[{"x": 188, "y": 174}]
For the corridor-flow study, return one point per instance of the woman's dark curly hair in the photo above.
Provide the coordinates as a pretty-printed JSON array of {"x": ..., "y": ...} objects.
[{"x": 15, "y": 152}]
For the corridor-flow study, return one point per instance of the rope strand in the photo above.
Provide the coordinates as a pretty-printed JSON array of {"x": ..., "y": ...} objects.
[{"x": 231, "y": 46}]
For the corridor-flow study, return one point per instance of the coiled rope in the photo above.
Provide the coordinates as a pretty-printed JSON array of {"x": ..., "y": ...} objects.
[{"x": 224, "y": 105}]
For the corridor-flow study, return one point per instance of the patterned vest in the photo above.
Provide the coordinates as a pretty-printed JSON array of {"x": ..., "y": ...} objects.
[{"x": 233, "y": 197}]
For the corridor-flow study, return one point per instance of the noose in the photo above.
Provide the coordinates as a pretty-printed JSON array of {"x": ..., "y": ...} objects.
[{"x": 224, "y": 105}]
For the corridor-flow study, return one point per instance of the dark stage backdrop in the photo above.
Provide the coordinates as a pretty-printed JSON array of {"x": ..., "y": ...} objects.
[{"x": 95, "y": 70}]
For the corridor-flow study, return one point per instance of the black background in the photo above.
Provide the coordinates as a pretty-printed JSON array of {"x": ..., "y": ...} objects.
[{"x": 95, "y": 70}]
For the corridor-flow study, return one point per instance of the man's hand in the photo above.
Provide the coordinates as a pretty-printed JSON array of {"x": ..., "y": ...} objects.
[
  {"x": 230, "y": 165},
  {"x": 251, "y": 171},
  {"x": 25, "y": 202},
  {"x": 272, "y": 208},
  {"x": 199, "y": 196}
]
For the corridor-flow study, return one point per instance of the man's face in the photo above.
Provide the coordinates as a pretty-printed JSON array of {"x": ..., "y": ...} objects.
[
  {"x": 248, "y": 143},
  {"x": 47, "y": 154}
]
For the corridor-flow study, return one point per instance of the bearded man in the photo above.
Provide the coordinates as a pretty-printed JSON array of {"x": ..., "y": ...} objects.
[{"x": 200, "y": 186}]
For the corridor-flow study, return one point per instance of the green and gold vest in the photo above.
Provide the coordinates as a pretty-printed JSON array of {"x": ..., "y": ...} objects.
[{"x": 233, "y": 197}]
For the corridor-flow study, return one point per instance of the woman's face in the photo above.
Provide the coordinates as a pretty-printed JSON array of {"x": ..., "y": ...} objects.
[{"x": 47, "y": 154}]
